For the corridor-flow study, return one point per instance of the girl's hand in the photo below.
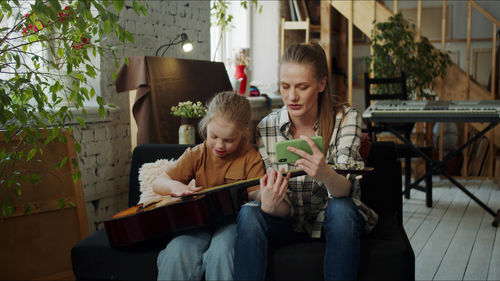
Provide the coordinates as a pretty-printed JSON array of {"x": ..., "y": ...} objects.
[
  {"x": 313, "y": 164},
  {"x": 273, "y": 188},
  {"x": 180, "y": 190},
  {"x": 164, "y": 185}
]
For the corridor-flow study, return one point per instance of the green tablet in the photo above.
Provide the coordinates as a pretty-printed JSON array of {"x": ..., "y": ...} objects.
[{"x": 283, "y": 156}]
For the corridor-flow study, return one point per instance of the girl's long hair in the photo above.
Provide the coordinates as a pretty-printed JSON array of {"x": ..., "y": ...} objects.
[{"x": 233, "y": 108}]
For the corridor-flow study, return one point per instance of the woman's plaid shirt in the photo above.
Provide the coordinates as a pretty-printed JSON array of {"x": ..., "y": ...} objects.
[{"x": 307, "y": 197}]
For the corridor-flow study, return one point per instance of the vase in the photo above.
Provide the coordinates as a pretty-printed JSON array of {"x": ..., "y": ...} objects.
[
  {"x": 241, "y": 80},
  {"x": 187, "y": 132}
]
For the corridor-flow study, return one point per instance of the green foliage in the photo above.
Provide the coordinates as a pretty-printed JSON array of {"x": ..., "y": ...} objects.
[
  {"x": 46, "y": 53},
  {"x": 395, "y": 49}
]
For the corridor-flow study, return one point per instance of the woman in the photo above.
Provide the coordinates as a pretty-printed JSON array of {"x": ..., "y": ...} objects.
[{"x": 320, "y": 203}]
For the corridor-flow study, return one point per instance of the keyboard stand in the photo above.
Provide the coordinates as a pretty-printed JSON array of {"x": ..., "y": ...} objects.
[{"x": 436, "y": 167}]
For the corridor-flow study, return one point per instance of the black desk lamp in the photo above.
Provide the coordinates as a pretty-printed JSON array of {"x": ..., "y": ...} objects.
[{"x": 187, "y": 46}]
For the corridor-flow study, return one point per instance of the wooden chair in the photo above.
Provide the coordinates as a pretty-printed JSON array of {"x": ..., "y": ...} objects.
[{"x": 395, "y": 89}]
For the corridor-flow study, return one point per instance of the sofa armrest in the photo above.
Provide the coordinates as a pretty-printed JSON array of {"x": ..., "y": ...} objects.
[{"x": 382, "y": 190}]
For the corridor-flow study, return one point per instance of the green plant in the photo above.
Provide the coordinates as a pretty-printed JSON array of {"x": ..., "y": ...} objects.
[
  {"x": 46, "y": 47},
  {"x": 188, "y": 109},
  {"x": 396, "y": 49}
]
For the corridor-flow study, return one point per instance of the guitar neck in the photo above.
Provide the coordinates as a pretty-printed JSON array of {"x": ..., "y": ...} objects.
[{"x": 293, "y": 173}]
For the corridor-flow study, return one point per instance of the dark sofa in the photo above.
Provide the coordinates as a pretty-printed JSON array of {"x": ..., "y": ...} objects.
[{"x": 386, "y": 253}]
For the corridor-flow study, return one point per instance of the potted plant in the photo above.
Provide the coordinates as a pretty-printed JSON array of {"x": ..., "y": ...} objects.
[
  {"x": 395, "y": 48},
  {"x": 189, "y": 112},
  {"x": 45, "y": 64}
]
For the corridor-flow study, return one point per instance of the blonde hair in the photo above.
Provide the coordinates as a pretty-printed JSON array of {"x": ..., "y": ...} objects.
[
  {"x": 233, "y": 108},
  {"x": 328, "y": 104}
]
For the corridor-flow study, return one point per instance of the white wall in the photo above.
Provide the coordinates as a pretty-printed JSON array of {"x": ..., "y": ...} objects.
[{"x": 264, "y": 49}]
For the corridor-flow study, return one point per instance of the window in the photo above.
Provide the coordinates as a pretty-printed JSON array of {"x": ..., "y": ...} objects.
[
  {"x": 8, "y": 68},
  {"x": 224, "y": 45}
]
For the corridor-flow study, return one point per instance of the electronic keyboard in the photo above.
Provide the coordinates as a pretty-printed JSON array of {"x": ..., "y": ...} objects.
[{"x": 403, "y": 111}]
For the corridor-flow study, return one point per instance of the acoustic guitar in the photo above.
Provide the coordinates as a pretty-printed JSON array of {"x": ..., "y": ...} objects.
[{"x": 173, "y": 214}]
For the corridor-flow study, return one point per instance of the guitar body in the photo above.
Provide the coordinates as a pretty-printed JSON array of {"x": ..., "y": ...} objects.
[
  {"x": 139, "y": 223},
  {"x": 171, "y": 215}
]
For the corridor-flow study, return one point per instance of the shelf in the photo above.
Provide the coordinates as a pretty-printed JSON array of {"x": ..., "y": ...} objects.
[
  {"x": 315, "y": 28},
  {"x": 319, "y": 32},
  {"x": 295, "y": 25},
  {"x": 305, "y": 26},
  {"x": 301, "y": 25}
]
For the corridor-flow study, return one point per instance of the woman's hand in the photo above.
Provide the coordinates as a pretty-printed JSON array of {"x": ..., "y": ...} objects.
[
  {"x": 273, "y": 188},
  {"x": 313, "y": 164}
]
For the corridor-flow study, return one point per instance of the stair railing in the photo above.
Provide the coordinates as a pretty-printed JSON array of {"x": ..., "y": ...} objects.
[{"x": 381, "y": 13}]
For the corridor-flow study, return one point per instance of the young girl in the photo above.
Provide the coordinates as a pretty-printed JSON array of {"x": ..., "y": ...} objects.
[{"x": 225, "y": 156}]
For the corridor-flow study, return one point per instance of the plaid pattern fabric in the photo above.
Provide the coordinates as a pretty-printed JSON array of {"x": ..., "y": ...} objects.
[{"x": 307, "y": 197}]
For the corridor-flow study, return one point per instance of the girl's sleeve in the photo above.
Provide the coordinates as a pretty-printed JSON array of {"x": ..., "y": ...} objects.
[
  {"x": 255, "y": 167},
  {"x": 183, "y": 170}
]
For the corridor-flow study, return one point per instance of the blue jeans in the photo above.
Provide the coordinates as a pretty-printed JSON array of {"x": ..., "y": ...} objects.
[
  {"x": 188, "y": 256},
  {"x": 342, "y": 230}
]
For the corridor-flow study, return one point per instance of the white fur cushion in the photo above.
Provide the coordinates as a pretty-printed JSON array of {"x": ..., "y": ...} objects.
[{"x": 148, "y": 173}]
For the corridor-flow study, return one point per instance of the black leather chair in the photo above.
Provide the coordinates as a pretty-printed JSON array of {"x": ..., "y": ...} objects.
[
  {"x": 386, "y": 253},
  {"x": 394, "y": 88},
  {"x": 389, "y": 88}
]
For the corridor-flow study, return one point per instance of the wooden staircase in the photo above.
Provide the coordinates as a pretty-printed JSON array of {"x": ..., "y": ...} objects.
[{"x": 455, "y": 86}]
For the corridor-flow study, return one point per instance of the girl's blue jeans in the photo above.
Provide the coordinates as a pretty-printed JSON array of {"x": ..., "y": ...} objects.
[
  {"x": 188, "y": 256},
  {"x": 342, "y": 230}
]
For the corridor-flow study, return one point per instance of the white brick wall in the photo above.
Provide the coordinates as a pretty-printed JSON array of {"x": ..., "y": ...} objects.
[{"x": 106, "y": 149}]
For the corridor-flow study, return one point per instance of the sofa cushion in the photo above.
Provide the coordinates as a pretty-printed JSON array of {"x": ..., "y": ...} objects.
[
  {"x": 148, "y": 173},
  {"x": 147, "y": 153},
  {"x": 288, "y": 261},
  {"x": 93, "y": 258},
  {"x": 385, "y": 255}
]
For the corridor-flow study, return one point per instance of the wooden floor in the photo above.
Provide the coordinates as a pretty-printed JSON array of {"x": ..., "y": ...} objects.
[{"x": 454, "y": 240}]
